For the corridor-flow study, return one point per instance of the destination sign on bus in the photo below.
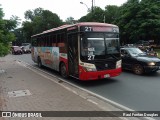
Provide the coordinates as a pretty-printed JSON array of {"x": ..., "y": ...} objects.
[{"x": 99, "y": 28}]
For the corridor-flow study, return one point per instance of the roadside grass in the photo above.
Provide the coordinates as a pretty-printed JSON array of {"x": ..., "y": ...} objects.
[{"x": 158, "y": 51}]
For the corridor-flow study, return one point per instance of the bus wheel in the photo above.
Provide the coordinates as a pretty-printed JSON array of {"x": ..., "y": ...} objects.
[
  {"x": 39, "y": 62},
  {"x": 63, "y": 70},
  {"x": 138, "y": 69}
]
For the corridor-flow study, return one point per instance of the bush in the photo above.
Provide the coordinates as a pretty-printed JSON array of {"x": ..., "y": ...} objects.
[
  {"x": 158, "y": 51},
  {"x": 4, "y": 50}
]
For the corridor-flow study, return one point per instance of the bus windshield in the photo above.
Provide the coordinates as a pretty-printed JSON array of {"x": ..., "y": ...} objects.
[{"x": 99, "y": 45}]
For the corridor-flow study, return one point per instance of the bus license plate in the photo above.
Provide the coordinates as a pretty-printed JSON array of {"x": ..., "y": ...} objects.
[{"x": 106, "y": 76}]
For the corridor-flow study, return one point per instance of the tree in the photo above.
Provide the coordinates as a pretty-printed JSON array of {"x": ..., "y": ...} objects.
[
  {"x": 39, "y": 21},
  {"x": 12, "y": 23},
  {"x": 30, "y": 15},
  {"x": 139, "y": 20},
  {"x": 70, "y": 20},
  {"x": 20, "y": 37},
  {"x": 149, "y": 16},
  {"x": 27, "y": 30},
  {"x": 128, "y": 21},
  {"x": 111, "y": 13},
  {"x": 6, "y": 35},
  {"x": 96, "y": 16}
]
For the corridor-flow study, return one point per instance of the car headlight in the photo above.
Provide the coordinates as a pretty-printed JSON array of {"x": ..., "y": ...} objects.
[{"x": 151, "y": 63}]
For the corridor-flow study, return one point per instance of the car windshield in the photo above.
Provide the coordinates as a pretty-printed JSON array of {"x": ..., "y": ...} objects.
[
  {"x": 135, "y": 51},
  {"x": 98, "y": 45}
]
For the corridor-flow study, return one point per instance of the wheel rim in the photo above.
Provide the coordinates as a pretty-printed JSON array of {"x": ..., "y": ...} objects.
[
  {"x": 138, "y": 69},
  {"x": 63, "y": 70}
]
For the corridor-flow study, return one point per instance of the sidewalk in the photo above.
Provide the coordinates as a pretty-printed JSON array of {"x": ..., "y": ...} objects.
[{"x": 23, "y": 89}]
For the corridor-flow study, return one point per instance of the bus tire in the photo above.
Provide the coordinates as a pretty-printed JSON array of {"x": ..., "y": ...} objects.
[
  {"x": 39, "y": 62},
  {"x": 63, "y": 70}
]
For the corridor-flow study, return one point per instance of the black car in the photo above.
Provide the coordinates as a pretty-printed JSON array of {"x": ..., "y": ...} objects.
[{"x": 139, "y": 62}]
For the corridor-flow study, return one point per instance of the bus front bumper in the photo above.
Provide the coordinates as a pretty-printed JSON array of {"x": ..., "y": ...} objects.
[{"x": 95, "y": 75}]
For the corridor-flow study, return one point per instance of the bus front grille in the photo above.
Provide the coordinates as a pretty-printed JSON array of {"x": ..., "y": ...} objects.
[{"x": 105, "y": 65}]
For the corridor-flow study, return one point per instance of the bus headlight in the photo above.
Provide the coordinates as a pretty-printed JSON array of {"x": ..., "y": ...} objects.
[
  {"x": 89, "y": 69},
  {"x": 151, "y": 63},
  {"x": 119, "y": 64}
]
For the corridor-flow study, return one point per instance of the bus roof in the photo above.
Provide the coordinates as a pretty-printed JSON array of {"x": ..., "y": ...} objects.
[
  {"x": 77, "y": 24},
  {"x": 95, "y": 24}
]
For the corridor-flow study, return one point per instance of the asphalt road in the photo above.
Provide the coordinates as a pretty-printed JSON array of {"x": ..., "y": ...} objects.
[{"x": 140, "y": 93}]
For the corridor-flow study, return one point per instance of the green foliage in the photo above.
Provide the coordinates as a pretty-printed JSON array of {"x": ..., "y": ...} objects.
[
  {"x": 1, "y": 13},
  {"x": 5, "y": 41},
  {"x": 111, "y": 13},
  {"x": 139, "y": 20},
  {"x": 29, "y": 15},
  {"x": 6, "y": 36},
  {"x": 96, "y": 16},
  {"x": 150, "y": 17},
  {"x": 19, "y": 37},
  {"x": 83, "y": 19},
  {"x": 12, "y": 23},
  {"x": 27, "y": 29},
  {"x": 4, "y": 50},
  {"x": 128, "y": 22},
  {"x": 40, "y": 20},
  {"x": 70, "y": 20}
]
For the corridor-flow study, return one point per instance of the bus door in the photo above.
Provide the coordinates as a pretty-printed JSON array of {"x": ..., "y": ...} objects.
[{"x": 73, "y": 55}]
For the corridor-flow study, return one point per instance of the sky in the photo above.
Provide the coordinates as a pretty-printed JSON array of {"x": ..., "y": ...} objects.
[{"x": 63, "y": 8}]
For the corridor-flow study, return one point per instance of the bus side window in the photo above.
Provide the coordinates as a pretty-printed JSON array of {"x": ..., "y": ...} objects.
[
  {"x": 53, "y": 40},
  {"x": 48, "y": 41},
  {"x": 42, "y": 41},
  {"x": 60, "y": 40}
]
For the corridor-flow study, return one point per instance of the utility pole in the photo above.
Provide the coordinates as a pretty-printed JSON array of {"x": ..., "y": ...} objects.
[{"x": 92, "y": 6}]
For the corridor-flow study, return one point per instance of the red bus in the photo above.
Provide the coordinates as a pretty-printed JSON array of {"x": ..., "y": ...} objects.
[{"x": 86, "y": 51}]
